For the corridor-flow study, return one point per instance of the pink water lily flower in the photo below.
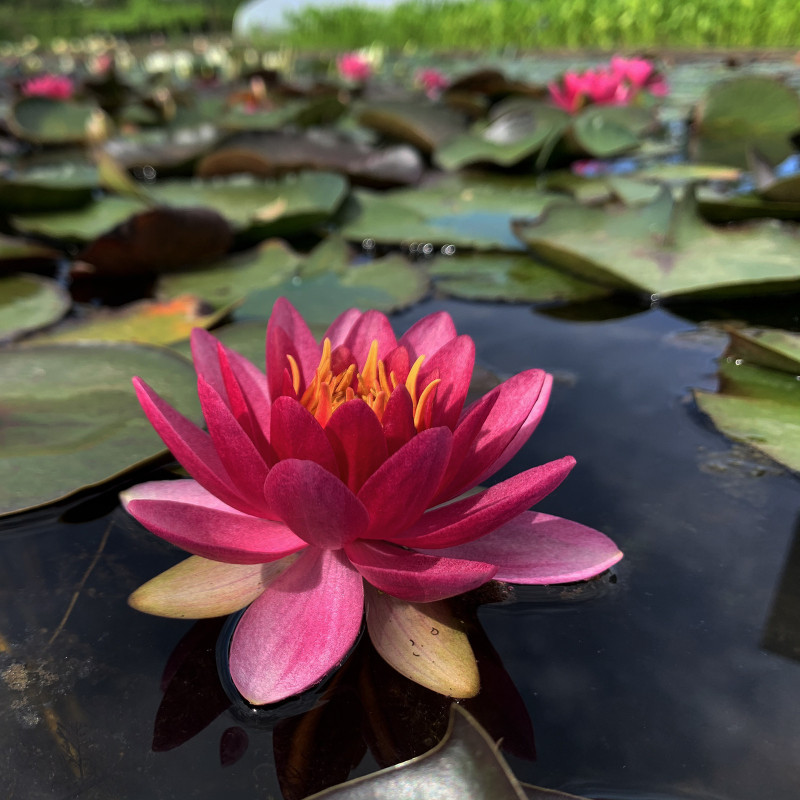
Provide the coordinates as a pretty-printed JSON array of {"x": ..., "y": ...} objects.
[
  {"x": 640, "y": 74},
  {"x": 56, "y": 87},
  {"x": 354, "y": 67},
  {"x": 326, "y": 481},
  {"x": 432, "y": 81}
]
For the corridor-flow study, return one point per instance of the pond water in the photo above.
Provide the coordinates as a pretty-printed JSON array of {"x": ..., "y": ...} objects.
[{"x": 676, "y": 677}]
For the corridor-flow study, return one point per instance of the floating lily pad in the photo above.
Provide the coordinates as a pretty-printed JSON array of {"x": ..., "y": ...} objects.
[
  {"x": 143, "y": 322},
  {"x": 510, "y": 278},
  {"x": 737, "y": 115},
  {"x": 20, "y": 254},
  {"x": 466, "y": 763},
  {"x": 233, "y": 279},
  {"x": 665, "y": 249},
  {"x": 48, "y": 189},
  {"x": 757, "y": 406},
  {"x": 28, "y": 303},
  {"x": 516, "y": 131},
  {"x": 466, "y": 211},
  {"x": 70, "y": 419},
  {"x": 46, "y": 121},
  {"x": 689, "y": 173},
  {"x": 723, "y": 207},
  {"x": 425, "y": 125},
  {"x": 602, "y": 188},
  {"x": 766, "y": 347},
  {"x": 605, "y": 131},
  {"x": 278, "y": 152}
]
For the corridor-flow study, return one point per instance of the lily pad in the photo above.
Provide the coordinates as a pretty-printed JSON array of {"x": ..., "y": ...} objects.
[
  {"x": 233, "y": 279},
  {"x": 466, "y": 763},
  {"x": 19, "y": 254},
  {"x": 746, "y": 112},
  {"x": 144, "y": 322},
  {"x": 468, "y": 211},
  {"x": 516, "y": 131},
  {"x": 766, "y": 347},
  {"x": 757, "y": 406},
  {"x": 605, "y": 131},
  {"x": 723, "y": 207},
  {"x": 48, "y": 189},
  {"x": 665, "y": 249},
  {"x": 70, "y": 419},
  {"x": 508, "y": 277},
  {"x": 425, "y": 125},
  {"x": 28, "y": 303},
  {"x": 46, "y": 121}
]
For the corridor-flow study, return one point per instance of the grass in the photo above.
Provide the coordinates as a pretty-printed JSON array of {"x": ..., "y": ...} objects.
[{"x": 548, "y": 24}]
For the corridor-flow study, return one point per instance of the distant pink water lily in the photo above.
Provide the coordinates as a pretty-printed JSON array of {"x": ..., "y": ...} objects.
[
  {"x": 321, "y": 484},
  {"x": 57, "y": 87},
  {"x": 432, "y": 81},
  {"x": 354, "y": 67}
]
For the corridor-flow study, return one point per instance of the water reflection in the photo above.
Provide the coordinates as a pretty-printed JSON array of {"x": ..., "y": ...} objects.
[{"x": 782, "y": 630}]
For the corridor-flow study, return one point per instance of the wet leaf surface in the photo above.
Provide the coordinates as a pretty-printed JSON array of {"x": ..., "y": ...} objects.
[
  {"x": 28, "y": 303},
  {"x": 46, "y": 121}
]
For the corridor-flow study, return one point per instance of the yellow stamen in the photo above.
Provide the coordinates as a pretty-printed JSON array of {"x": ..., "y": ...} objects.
[
  {"x": 425, "y": 400},
  {"x": 295, "y": 373},
  {"x": 411, "y": 380}
]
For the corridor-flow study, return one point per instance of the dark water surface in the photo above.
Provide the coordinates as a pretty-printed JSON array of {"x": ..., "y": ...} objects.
[{"x": 677, "y": 677}]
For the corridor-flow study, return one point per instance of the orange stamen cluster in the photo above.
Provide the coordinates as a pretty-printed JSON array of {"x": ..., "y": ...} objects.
[{"x": 326, "y": 391}]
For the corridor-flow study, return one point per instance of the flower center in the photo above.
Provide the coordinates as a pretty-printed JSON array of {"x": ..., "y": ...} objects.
[{"x": 327, "y": 391}]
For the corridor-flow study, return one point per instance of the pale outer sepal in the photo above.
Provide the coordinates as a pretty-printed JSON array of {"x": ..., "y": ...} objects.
[
  {"x": 424, "y": 642},
  {"x": 198, "y": 588}
]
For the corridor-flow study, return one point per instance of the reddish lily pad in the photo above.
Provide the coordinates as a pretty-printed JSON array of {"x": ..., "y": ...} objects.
[
  {"x": 46, "y": 121},
  {"x": 29, "y": 303},
  {"x": 425, "y": 125},
  {"x": 144, "y": 322},
  {"x": 70, "y": 419},
  {"x": 665, "y": 249},
  {"x": 158, "y": 240}
]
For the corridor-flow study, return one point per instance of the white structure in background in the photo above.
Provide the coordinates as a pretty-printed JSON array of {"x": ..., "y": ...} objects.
[{"x": 268, "y": 14}]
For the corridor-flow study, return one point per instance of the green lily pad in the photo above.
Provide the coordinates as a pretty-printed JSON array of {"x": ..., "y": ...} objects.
[
  {"x": 466, "y": 763},
  {"x": 143, "y": 322},
  {"x": 70, "y": 419},
  {"x": 262, "y": 208},
  {"x": 467, "y": 211},
  {"x": 689, "y": 173},
  {"x": 602, "y": 188},
  {"x": 766, "y": 347},
  {"x": 665, "y": 249},
  {"x": 17, "y": 254},
  {"x": 737, "y": 115},
  {"x": 516, "y": 131},
  {"x": 757, "y": 406},
  {"x": 48, "y": 189},
  {"x": 769, "y": 185},
  {"x": 231, "y": 280},
  {"x": 510, "y": 278},
  {"x": 720, "y": 207},
  {"x": 46, "y": 121},
  {"x": 605, "y": 131},
  {"x": 28, "y": 303},
  {"x": 425, "y": 125}
]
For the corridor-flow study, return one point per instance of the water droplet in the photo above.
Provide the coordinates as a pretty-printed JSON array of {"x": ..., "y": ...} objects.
[
  {"x": 448, "y": 250},
  {"x": 427, "y": 248},
  {"x": 368, "y": 244},
  {"x": 738, "y": 362}
]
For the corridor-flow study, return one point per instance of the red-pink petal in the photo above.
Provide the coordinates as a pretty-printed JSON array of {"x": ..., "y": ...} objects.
[
  {"x": 294, "y": 433},
  {"x": 540, "y": 548},
  {"x": 316, "y": 505},
  {"x": 416, "y": 577},
  {"x": 356, "y": 435},
  {"x": 287, "y": 333},
  {"x": 430, "y": 333},
  {"x": 341, "y": 326},
  {"x": 299, "y": 629},
  {"x": 184, "y": 513},
  {"x": 238, "y": 454},
  {"x": 400, "y": 490},
  {"x": 475, "y": 516},
  {"x": 398, "y": 419},
  {"x": 453, "y": 363},
  {"x": 192, "y": 447},
  {"x": 370, "y": 326}
]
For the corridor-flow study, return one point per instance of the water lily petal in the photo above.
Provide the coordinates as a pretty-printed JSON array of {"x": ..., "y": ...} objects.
[
  {"x": 475, "y": 516},
  {"x": 192, "y": 447},
  {"x": 316, "y": 505},
  {"x": 540, "y": 548},
  {"x": 398, "y": 419},
  {"x": 453, "y": 363},
  {"x": 370, "y": 326},
  {"x": 357, "y": 438},
  {"x": 184, "y": 513},
  {"x": 287, "y": 333},
  {"x": 238, "y": 454},
  {"x": 294, "y": 433},
  {"x": 416, "y": 577},
  {"x": 428, "y": 335},
  {"x": 516, "y": 402},
  {"x": 341, "y": 326},
  {"x": 423, "y": 641},
  {"x": 398, "y": 492},
  {"x": 198, "y": 588},
  {"x": 299, "y": 629}
]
